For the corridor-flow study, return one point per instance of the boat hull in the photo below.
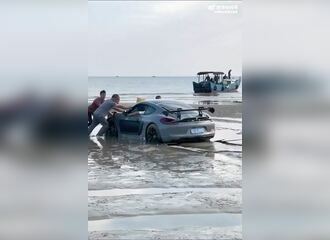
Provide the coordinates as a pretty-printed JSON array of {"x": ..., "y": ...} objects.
[{"x": 211, "y": 87}]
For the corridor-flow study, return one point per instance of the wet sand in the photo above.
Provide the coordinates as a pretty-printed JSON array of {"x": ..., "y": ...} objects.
[{"x": 137, "y": 191}]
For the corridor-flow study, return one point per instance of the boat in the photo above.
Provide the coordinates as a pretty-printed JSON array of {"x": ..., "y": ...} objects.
[{"x": 215, "y": 82}]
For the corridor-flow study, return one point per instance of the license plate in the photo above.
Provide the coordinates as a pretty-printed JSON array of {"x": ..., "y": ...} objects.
[{"x": 197, "y": 130}]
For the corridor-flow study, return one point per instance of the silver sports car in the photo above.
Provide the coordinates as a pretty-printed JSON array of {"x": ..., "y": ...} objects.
[{"x": 164, "y": 121}]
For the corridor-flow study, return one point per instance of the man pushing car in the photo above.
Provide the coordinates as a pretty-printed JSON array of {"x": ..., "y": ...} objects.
[
  {"x": 95, "y": 104},
  {"x": 102, "y": 111}
]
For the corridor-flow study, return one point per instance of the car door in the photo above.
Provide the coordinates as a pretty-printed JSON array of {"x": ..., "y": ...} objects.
[{"x": 132, "y": 122}]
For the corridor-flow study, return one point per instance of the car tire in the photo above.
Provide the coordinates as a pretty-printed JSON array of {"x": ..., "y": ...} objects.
[
  {"x": 152, "y": 134},
  {"x": 112, "y": 131}
]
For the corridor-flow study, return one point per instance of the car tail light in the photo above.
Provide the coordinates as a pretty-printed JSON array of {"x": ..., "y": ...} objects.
[{"x": 167, "y": 120}]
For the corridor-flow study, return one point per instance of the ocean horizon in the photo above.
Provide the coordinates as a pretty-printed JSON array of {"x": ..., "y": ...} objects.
[{"x": 169, "y": 87}]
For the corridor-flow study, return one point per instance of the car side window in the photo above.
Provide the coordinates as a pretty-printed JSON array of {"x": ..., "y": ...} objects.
[
  {"x": 142, "y": 109},
  {"x": 137, "y": 108},
  {"x": 149, "y": 110}
]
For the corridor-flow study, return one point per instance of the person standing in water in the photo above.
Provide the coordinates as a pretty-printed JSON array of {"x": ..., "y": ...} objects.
[
  {"x": 96, "y": 103},
  {"x": 102, "y": 111}
]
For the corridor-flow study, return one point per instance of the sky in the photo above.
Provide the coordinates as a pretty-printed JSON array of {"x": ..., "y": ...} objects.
[{"x": 145, "y": 38}]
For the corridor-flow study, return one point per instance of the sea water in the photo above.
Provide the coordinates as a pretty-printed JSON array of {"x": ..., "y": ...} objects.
[{"x": 173, "y": 88}]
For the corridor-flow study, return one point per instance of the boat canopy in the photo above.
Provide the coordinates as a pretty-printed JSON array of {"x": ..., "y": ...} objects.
[{"x": 215, "y": 73}]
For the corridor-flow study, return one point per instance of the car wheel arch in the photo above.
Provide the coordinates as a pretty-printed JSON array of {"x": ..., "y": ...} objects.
[{"x": 157, "y": 129}]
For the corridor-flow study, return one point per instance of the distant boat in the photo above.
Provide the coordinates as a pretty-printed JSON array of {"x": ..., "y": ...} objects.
[
  {"x": 214, "y": 82},
  {"x": 153, "y": 76},
  {"x": 117, "y": 76}
]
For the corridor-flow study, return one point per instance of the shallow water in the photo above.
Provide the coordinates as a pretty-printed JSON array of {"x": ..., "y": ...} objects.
[
  {"x": 166, "y": 222},
  {"x": 191, "y": 233},
  {"x": 129, "y": 88},
  {"x": 120, "y": 192},
  {"x": 187, "y": 191}
]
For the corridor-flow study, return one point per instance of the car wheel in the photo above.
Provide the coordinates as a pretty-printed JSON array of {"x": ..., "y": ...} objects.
[
  {"x": 112, "y": 131},
  {"x": 152, "y": 135}
]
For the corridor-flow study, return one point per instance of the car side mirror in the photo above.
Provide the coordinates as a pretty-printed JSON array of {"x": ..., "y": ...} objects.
[{"x": 211, "y": 109}]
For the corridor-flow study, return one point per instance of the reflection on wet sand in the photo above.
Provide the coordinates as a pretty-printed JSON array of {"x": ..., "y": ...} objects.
[
  {"x": 128, "y": 179},
  {"x": 121, "y": 165}
]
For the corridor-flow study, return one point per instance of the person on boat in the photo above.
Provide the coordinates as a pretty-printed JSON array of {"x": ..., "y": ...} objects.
[
  {"x": 208, "y": 78},
  {"x": 216, "y": 79},
  {"x": 229, "y": 74},
  {"x": 95, "y": 104},
  {"x": 103, "y": 111}
]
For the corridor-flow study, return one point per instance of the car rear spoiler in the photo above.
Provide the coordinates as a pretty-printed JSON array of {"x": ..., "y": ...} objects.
[{"x": 199, "y": 109}]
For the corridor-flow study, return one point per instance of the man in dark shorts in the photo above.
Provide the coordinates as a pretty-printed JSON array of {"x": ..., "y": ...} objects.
[
  {"x": 100, "y": 114},
  {"x": 96, "y": 103}
]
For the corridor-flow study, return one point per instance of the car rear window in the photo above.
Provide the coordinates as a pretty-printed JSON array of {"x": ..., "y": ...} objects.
[{"x": 173, "y": 106}]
